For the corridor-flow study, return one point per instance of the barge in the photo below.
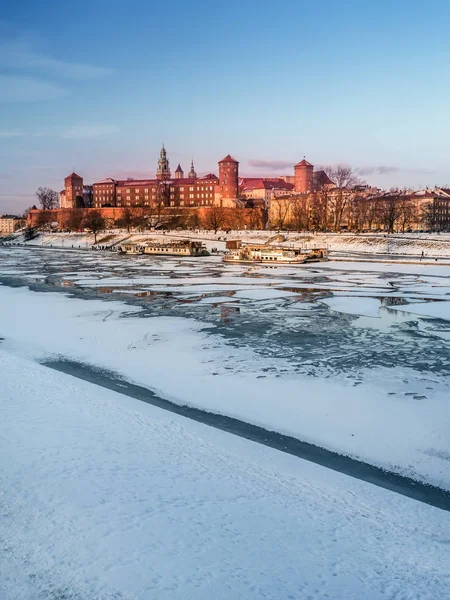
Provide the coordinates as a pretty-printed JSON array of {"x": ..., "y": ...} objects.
[
  {"x": 274, "y": 255},
  {"x": 179, "y": 248}
]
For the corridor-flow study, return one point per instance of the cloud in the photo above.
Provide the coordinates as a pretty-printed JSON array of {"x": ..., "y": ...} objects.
[
  {"x": 386, "y": 170},
  {"x": 271, "y": 165},
  {"x": 87, "y": 132},
  {"x": 10, "y": 134},
  {"x": 19, "y": 54},
  {"x": 75, "y": 132},
  {"x": 28, "y": 89}
]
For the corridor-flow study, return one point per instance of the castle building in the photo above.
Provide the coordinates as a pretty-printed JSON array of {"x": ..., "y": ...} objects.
[
  {"x": 176, "y": 191},
  {"x": 226, "y": 191}
]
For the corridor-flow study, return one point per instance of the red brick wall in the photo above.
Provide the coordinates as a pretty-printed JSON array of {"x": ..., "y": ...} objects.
[{"x": 304, "y": 179}]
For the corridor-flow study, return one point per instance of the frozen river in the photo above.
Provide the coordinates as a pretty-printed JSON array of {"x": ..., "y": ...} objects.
[{"x": 352, "y": 356}]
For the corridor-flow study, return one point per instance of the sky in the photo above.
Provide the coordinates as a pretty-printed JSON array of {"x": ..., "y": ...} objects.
[{"x": 96, "y": 87}]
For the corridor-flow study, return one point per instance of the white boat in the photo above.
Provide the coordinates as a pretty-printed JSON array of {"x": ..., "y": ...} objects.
[
  {"x": 275, "y": 255},
  {"x": 179, "y": 248}
]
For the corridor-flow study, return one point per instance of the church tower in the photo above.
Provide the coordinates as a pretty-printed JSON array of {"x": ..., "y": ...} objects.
[
  {"x": 179, "y": 173},
  {"x": 163, "y": 171},
  {"x": 192, "y": 172}
]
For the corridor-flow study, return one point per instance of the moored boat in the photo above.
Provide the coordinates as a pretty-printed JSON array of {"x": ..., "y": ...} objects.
[
  {"x": 178, "y": 248},
  {"x": 275, "y": 255}
]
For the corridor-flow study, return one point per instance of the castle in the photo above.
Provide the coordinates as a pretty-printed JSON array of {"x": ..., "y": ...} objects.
[{"x": 227, "y": 190}]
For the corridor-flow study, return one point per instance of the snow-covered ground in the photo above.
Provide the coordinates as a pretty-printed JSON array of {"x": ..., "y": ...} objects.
[
  {"x": 413, "y": 244},
  {"x": 321, "y": 353},
  {"x": 109, "y": 498}
]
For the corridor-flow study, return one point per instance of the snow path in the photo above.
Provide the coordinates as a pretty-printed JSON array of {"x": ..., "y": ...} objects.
[{"x": 105, "y": 497}]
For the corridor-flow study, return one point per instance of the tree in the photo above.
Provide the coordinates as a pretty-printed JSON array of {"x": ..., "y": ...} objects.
[
  {"x": 162, "y": 198},
  {"x": 94, "y": 221},
  {"x": 44, "y": 219},
  {"x": 74, "y": 219},
  {"x": 319, "y": 203},
  {"x": 214, "y": 218},
  {"x": 345, "y": 179},
  {"x": 30, "y": 233},
  {"x": 408, "y": 213},
  {"x": 300, "y": 213},
  {"x": 126, "y": 219},
  {"x": 48, "y": 198},
  {"x": 390, "y": 210},
  {"x": 280, "y": 208}
]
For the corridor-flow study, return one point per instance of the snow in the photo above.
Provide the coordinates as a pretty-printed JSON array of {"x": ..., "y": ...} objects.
[
  {"x": 433, "y": 245},
  {"x": 375, "y": 420},
  {"x": 354, "y": 305},
  {"x": 107, "y": 497},
  {"x": 438, "y": 310}
]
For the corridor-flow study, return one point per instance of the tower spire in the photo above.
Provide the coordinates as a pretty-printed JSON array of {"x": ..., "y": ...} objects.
[
  {"x": 163, "y": 171},
  {"x": 192, "y": 172}
]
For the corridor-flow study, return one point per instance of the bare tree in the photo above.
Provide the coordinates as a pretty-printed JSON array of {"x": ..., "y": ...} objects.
[
  {"x": 126, "y": 219},
  {"x": 345, "y": 180},
  {"x": 74, "y": 218},
  {"x": 300, "y": 213},
  {"x": 280, "y": 208},
  {"x": 390, "y": 210},
  {"x": 44, "y": 219},
  {"x": 48, "y": 198},
  {"x": 215, "y": 218},
  {"x": 94, "y": 221},
  {"x": 408, "y": 213},
  {"x": 162, "y": 198}
]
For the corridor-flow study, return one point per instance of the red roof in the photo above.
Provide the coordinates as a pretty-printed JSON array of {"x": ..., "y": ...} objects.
[
  {"x": 259, "y": 183},
  {"x": 303, "y": 163},
  {"x": 73, "y": 176},
  {"x": 228, "y": 159},
  {"x": 209, "y": 176}
]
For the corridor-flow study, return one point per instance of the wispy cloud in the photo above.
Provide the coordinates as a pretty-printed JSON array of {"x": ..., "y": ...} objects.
[
  {"x": 271, "y": 165},
  {"x": 82, "y": 132},
  {"x": 10, "y": 134},
  {"x": 387, "y": 169},
  {"x": 85, "y": 132},
  {"x": 20, "y": 54},
  {"x": 28, "y": 89}
]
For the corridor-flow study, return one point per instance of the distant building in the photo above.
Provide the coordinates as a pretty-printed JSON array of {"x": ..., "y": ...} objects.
[
  {"x": 10, "y": 224},
  {"x": 177, "y": 191},
  {"x": 261, "y": 188}
]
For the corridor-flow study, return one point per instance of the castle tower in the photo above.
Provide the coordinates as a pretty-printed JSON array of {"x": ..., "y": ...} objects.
[
  {"x": 179, "y": 173},
  {"x": 228, "y": 180},
  {"x": 192, "y": 172},
  {"x": 73, "y": 188},
  {"x": 163, "y": 171},
  {"x": 304, "y": 173}
]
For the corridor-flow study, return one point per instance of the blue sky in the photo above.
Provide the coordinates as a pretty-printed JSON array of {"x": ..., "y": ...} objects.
[{"x": 97, "y": 86}]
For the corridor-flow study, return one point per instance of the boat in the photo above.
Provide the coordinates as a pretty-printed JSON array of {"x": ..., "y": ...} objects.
[
  {"x": 275, "y": 255},
  {"x": 130, "y": 249},
  {"x": 178, "y": 248}
]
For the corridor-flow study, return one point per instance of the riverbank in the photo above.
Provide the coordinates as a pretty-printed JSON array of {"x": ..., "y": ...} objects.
[{"x": 396, "y": 245}]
